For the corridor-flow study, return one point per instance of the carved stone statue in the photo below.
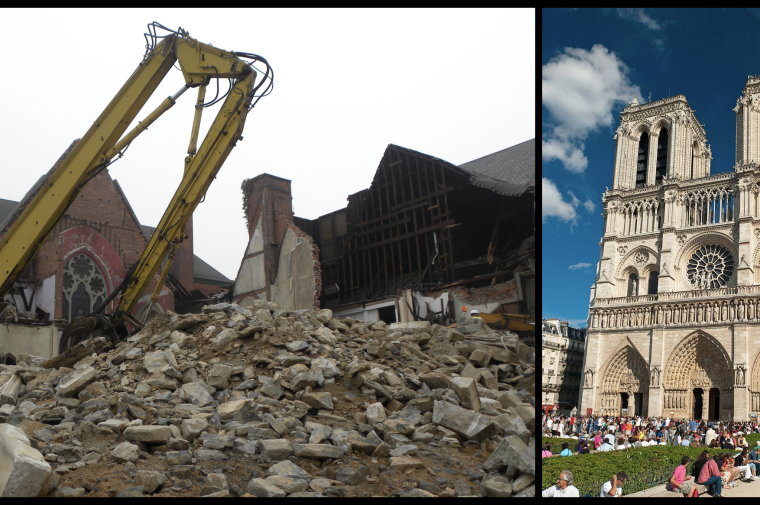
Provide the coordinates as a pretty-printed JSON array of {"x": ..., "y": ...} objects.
[
  {"x": 655, "y": 376},
  {"x": 659, "y": 315},
  {"x": 667, "y": 314},
  {"x": 699, "y": 314},
  {"x": 677, "y": 315},
  {"x": 740, "y": 375},
  {"x": 646, "y": 317},
  {"x": 589, "y": 377},
  {"x": 638, "y": 317},
  {"x": 595, "y": 320},
  {"x": 732, "y": 311},
  {"x": 723, "y": 312},
  {"x": 741, "y": 310},
  {"x": 715, "y": 312}
]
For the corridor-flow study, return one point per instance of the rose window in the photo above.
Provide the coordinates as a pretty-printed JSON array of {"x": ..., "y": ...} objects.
[
  {"x": 710, "y": 266},
  {"x": 84, "y": 287}
]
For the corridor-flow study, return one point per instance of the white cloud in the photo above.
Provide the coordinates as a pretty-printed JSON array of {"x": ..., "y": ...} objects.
[
  {"x": 589, "y": 205},
  {"x": 553, "y": 205},
  {"x": 579, "y": 266},
  {"x": 580, "y": 88},
  {"x": 640, "y": 16}
]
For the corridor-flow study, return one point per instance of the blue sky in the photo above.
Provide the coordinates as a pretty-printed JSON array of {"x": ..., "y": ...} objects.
[{"x": 593, "y": 62}]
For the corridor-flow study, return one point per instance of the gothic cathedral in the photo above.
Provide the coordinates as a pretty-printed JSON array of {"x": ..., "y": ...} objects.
[{"x": 674, "y": 316}]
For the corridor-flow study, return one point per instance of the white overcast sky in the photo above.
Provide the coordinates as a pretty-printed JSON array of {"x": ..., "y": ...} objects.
[{"x": 456, "y": 84}]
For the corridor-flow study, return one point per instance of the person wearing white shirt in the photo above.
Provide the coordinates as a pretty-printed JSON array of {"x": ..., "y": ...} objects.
[
  {"x": 613, "y": 488},
  {"x": 645, "y": 443},
  {"x": 606, "y": 446},
  {"x": 564, "y": 487},
  {"x": 667, "y": 421}
]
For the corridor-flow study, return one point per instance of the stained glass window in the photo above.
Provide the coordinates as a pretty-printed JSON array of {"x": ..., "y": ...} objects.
[{"x": 84, "y": 286}]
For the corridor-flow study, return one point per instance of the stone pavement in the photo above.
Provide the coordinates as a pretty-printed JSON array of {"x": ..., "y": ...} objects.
[{"x": 743, "y": 489}]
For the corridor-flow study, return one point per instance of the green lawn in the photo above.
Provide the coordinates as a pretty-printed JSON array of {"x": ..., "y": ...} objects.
[{"x": 646, "y": 466}]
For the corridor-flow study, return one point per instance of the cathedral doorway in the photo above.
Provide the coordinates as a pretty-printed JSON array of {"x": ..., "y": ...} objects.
[
  {"x": 714, "y": 411},
  {"x": 624, "y": 403},
  {"x": 697, "y": 396}
]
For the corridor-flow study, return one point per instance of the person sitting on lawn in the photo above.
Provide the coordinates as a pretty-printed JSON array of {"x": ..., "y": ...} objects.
[
  {"x": 563, "y": 488},
  {"x": 741, "y": 464},
  {"x": 681, "y": 482},
  {"x": 547, "y": 451},
  {"x": 584, "y": 447},
  {"x": 565, "y": 450},
  {"x": 728, "y": 472},
  {"x": 614, "y": 487}
]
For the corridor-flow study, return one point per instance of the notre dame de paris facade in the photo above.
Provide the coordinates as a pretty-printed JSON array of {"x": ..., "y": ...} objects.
[{"x": 674, "y": 316}]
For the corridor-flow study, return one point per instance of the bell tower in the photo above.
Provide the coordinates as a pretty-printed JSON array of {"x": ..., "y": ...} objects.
[
  {"x": 748, "y": 123},
  {"x": 657, "y": 141}
]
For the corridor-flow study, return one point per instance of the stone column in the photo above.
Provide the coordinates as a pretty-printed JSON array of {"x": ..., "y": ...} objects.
[
  {"x": 705, "y": 406},
  {"x": 651, "y": 172}
]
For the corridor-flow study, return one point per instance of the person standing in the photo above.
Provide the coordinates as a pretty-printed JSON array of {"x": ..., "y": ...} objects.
[
  {"x": 563, "y": 488},
  {"x": 710, "y": 436},
  {"x": 614, "y": 487}
]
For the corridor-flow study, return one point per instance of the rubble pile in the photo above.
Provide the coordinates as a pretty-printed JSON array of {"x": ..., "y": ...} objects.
[{"x": 260, "y": 401}]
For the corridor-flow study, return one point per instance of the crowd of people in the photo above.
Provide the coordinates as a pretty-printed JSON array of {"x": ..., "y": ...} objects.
[
  {"x": 599, "y": 433},
  {"x": 635, "y": 431}
]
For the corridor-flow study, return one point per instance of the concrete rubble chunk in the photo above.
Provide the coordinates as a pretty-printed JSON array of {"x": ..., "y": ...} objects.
[
  {"x": 375, "y": 413},
  {"x": 287, "y": 484},
  {"x": 318, "y": 451},
  {"x": 352, "y": 476},
  {"x": 464, "y": 422},
  {"x": 197, "y": 393},
  {"x": 150, "y": 481},
  {"x": 318, "y": 400},
  {"x": 23, "y": 469},
  {"x": 214, "y": 483},
  {"x": 148, "y": 434},
  {"x": 76, "y": 381},
  {"x": 467, "y": 392},
  {"x": 276, "y": 450},
  {"x": 411, "y": 327},
  {"x": 290, "y": 470},
  {"x": 403, "y": 463},
  {"x": 264, "y": 489},
  {"x": 124, "y": 452}
]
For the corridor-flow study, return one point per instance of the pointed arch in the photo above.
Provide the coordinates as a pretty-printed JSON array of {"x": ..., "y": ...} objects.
[
  {"x": 699, "y": 360},
  {"x": 626, "y": 371},
  {"x": 754, "y": 384}
]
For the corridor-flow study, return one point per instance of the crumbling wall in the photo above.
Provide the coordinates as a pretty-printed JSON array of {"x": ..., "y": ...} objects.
[
  {"x": 485, "y": 299},
  {"x": 296, "y": 284}
]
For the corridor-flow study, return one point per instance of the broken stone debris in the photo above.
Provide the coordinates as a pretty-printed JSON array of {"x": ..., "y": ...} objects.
[{"x": 300, "y": 393}]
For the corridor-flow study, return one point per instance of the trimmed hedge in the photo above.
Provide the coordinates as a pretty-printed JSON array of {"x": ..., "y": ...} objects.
[{"x": 646, "y": 466}]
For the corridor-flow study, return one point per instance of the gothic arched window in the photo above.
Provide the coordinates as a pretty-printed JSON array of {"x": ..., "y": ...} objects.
[
  {"x": 84, "y": 287},
  {"x": 633, "y": 285},
  {"x": 653, "y": 283},
  {"x": 641, "y": 165},
  {"x": 662, "y": 156}
]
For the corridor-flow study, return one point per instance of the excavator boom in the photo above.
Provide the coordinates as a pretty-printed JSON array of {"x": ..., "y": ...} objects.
[{"x": 199, "y": 63}]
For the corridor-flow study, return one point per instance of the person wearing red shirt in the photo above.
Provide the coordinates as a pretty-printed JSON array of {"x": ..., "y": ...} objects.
[{"x": 710, "y": 476}]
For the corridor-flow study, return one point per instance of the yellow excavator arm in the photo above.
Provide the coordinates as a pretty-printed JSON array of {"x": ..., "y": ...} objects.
[{"x": 199, "y": 63}]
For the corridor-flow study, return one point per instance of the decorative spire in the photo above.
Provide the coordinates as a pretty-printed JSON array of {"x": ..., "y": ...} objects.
[{"x": 634, "y": 102}]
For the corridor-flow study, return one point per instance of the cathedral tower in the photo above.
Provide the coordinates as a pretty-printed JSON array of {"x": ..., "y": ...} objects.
[{"x": 748, "y": 123}]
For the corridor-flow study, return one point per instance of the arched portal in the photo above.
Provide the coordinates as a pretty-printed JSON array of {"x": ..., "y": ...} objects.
[
  {"x": 698, "y": 373},
  {"x": 624, "y": 383}
]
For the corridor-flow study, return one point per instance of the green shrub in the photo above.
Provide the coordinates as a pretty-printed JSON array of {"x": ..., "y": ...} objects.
[{"x": 646, "y": 466}]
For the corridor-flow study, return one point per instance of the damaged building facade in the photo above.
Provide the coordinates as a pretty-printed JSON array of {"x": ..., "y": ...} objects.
[
  {"x": 425, "y": 240},
  {"x": 84, "y": 257}
]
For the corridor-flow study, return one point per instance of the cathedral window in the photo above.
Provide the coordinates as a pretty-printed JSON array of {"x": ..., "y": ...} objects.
[
  {"x": 633, "y": 284},
  {"x": 641, "y": 166},
  {"x": 653, "y": 283},
  {"x": 710, "y": 266},
  {"x": 662, "y": 156},
  {"x": 84, "y": 287}
]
